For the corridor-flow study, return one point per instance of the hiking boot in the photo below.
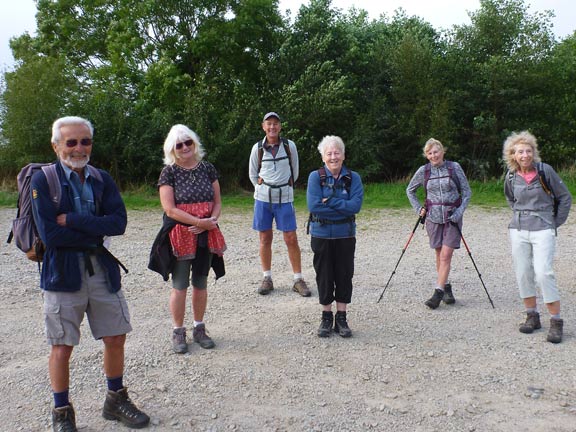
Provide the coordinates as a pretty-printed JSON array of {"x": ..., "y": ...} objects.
[
  {"x": 118, "y": 406},
  {"x": 200, "y": 336},
  {"x": 179, "y": 344},
  {"x": 266, "y": 286},
  {"x": 64, "y": 419},
  {"x": 448, "y": 296},
  {"x": 326, "y": 324},
  {"x": 532, "y": 323},
  {"x": 341, "y": 325},
  {"x": 555, "y": 332},
  {"x": 301, "y": 288},
  {"x": 434, "y": 301}
]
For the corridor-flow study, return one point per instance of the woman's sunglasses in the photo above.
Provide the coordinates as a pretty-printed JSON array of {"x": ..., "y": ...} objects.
[
  {"x": 86, "y": 142},
  {"x": 181, "y": 144}
]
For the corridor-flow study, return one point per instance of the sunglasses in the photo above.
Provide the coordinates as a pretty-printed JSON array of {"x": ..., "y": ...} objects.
[
  {"x": 86, "y": 142},
  {"x": 188, "y": 143}
]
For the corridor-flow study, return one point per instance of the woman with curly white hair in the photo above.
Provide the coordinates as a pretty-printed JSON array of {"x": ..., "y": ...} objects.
[{"x": 541, "y": 203}]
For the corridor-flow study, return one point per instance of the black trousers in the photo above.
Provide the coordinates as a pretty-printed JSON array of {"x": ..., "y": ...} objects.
[{"x": 334, "y": 266}]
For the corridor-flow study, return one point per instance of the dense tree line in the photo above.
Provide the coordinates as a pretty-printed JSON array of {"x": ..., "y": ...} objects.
[{"x": 136, "y": 67}]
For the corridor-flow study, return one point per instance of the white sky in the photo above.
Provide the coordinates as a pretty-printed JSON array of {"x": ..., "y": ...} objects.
[{"x": 18, "y": 16}]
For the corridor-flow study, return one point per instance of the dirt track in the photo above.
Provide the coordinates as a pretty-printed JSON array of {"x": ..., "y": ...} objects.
[{"x": 459, "y": 368}]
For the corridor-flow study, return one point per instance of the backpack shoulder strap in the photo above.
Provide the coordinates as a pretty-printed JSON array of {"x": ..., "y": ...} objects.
[
  {"x": 427, "y": 170},
  {"x": 95, "y": 172},
  {"x": 289, "y": 154},
  {"x": 260, "y": 154},
  {"x": 53, "y": 183},
  {"x": 347, "y": 179},
  {"x": 452, "y": 176},
  {"x": 322, "y": 175},
  {"x": 544, "y": 180}
]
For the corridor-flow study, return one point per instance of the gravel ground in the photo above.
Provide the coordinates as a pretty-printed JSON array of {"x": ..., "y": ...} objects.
[{"x": 407, "y": 368}]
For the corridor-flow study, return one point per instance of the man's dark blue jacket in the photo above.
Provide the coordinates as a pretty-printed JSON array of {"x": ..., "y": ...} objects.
[{"x": 60, "y": 269}]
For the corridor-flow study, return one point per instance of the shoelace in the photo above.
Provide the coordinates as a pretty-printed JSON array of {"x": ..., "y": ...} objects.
[{"x": 127, "y": 408}]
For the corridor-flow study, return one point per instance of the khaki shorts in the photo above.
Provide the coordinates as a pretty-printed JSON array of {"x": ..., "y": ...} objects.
[
  {"x": 443, "y": 234},
  {"x": 64, "y": 311}
]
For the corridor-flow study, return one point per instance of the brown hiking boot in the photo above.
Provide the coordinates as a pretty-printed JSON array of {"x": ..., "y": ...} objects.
[
  {"x": 301, "y": 288},
  {"x": 179, "y": 344},
  {"x": 532, "y": 323},
  {"x": 434, "y": 301},
  {"x": 200, "y": 336},
  {"x": 118, "y": 406},
  {"x": 556, "y": 330},
  {"x": 448, "y": 296},
  {"x": 64, "y": 419},
  {"x": 266, "y": 286}
]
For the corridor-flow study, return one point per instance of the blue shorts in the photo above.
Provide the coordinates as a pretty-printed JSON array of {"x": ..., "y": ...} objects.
[{"x": 284, "y": 214}]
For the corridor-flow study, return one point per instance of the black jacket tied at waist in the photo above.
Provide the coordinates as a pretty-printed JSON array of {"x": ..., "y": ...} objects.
[{"x": 162, "y": 259}]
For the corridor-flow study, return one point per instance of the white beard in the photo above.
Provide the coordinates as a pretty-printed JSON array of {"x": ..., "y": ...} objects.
[{"x": 75, "y": 164}]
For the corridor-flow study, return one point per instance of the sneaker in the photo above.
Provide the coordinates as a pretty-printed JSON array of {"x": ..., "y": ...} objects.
[
  {"x": 64, "y": 419},
  {"x": 326, "y": 324},
  {"x": 448, "y": 296},
  {"x": 555, "y": 332},
  {"x": 301, "y": 288},
  {"x": 200, "y": 336},
  {"x": 118, "y": 406},
  {"x": 341, "y": 325},
  {"x": 179, "y": 344},
  {"x": 266, "y": 286},
  {"x": 434, "y": 301},
  {"x": 532, "y": 323}
]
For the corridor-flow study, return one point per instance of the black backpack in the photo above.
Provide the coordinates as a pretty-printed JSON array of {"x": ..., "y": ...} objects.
[
  {"x": 288, "y": 156},
  {"x": 347, "y": 180}
]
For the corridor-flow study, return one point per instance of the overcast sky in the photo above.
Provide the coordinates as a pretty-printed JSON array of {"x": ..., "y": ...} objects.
[{"x": 18, "y": 16}]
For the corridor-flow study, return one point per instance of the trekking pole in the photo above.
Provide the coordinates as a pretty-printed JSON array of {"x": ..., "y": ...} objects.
[
  {"x": 473, "y": 262},
  {"x": 420, "y": 220}
]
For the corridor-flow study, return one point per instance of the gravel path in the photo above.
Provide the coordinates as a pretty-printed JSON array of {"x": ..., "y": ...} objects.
[{"x": 407, "y": 368}]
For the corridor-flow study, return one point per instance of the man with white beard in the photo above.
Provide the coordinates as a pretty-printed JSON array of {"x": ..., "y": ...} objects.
[{"x": 79, "y": 275}]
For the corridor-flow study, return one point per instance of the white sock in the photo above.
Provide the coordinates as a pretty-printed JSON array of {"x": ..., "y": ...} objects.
[
  {"x": 268, "y": 274},
  {"x": 298, "y": 276},
  {"x": 198, "y": 322}
]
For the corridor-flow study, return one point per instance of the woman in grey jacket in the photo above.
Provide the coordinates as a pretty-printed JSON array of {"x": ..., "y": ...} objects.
[
  {"x": 541, "y": 203},
  {"x": 447, "y": 196}
]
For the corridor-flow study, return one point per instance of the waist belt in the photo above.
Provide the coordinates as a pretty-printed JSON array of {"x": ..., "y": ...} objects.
[
  {"x": 316, "y": 219},
  {"x": 533, "y": 212},
  {"x": 274, "y": 186},
  {"x": 430, "y": 203},
  {"x": 93, "y": 251}
]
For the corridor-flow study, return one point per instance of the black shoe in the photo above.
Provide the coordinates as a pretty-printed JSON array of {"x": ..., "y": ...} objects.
[
  {"x": 64, "y": 419},
  {"x": 341, "y": 325},
  {"x": 118, "y": 406},
  {"x": 326, "y": 324},
  {"x": 434, "y": 301},
  {"x": 448, "y": 296}
]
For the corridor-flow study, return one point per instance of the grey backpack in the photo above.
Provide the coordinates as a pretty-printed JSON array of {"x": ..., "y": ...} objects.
[{"x": 24, "y": 230}]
